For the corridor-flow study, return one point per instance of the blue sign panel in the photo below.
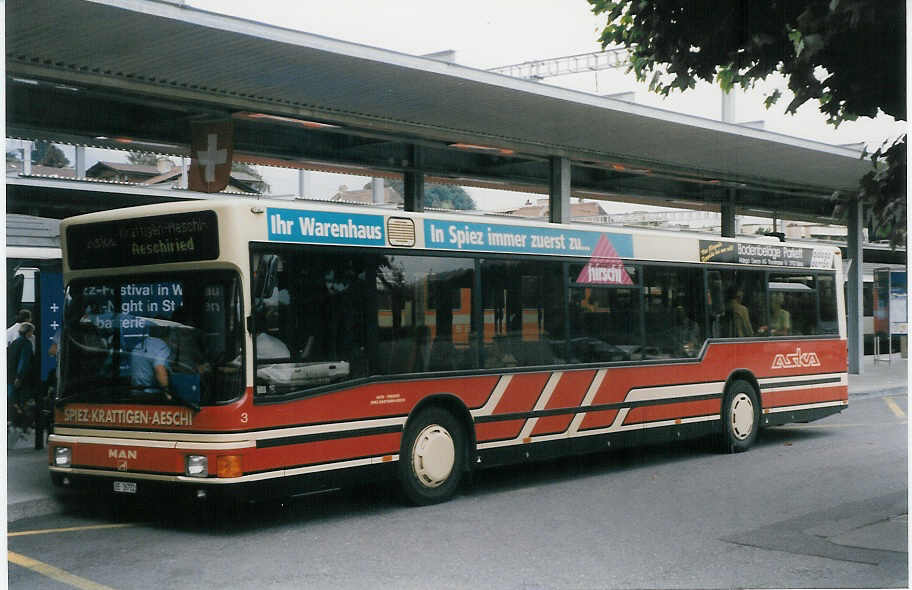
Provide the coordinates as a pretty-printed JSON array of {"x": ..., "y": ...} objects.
[
  {"x": 489, "y": 237},
  {"x": 51, "y": 289},
  {"x": 323, "y": 227}
]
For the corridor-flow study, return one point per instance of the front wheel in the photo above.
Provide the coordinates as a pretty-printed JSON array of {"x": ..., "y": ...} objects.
[
  {"x": 432, "y": 457},
  {"x": 740, "y": 417}
]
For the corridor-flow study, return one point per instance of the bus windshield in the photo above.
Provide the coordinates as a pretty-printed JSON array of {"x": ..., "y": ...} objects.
[{"x": 163, "y": 339}]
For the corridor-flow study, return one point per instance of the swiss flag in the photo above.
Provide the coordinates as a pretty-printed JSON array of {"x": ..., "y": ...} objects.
[
  {"x": 211, "y": 150},
  {"x": 605, "y": 266}
]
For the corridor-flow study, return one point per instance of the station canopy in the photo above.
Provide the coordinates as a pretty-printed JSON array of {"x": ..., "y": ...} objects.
[{"x": 116, "y": 73}]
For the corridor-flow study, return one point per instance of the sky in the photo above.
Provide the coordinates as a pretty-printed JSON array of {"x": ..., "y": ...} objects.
[
  {"x": 492, "y": 33},
  {"x": 486, "y": 34}
]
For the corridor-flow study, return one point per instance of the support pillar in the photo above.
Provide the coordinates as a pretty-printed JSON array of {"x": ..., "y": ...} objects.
[
  {"x": 185, "y": 172},
  {"x": 26, "y": 157},
  {"x": 559, "y": 190},
  {"x": 414, "y": 182},
  {"x": 728, "y": 215},
  {"x": 377, "y": 194},
  {"x": 303, "y": 183},
  {"x": 854, "y": 285},
  {"x": 80, "y": 164}
]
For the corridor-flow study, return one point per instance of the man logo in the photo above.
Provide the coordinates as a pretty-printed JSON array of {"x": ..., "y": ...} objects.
[
  {"x": 796, "y": 360},
  {"x": 121, "y": 454}
]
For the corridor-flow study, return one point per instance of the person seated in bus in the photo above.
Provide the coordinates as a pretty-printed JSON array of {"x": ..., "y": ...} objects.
[
  {"x": 269, "y": 347},
  {"x": 780, "y": 319},
  {"x": 685, "y": 333},
  {"x": 738, "y": 318},
  {"x": 499, "y": 355},
  {"x": 149, "y": 364}
]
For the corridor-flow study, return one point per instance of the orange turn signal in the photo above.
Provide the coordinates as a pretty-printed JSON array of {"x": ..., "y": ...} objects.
[{"x": 229, "y": 466}]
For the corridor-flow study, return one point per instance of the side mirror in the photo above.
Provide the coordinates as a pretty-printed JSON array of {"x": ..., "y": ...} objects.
[{"x": 266, "y": 276}]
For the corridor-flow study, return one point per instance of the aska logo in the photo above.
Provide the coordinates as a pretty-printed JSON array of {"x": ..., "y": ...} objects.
[{"x": 796, "y": 360}]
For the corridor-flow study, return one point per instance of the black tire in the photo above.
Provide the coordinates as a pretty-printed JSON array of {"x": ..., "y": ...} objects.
[
  {"x": 740, "y": 417},
  {"x": 432, "y": 459}
]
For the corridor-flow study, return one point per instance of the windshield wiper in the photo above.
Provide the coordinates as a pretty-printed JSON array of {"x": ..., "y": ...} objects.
[{"x": 174, "y": 396}]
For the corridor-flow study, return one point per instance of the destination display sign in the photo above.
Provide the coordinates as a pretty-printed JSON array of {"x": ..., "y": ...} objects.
[
  {"x": 181, "y": 237},
  {"x": 765, "y": 254}
]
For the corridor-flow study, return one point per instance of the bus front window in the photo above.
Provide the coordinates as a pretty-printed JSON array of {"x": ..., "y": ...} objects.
[{"x": 153, "y": 339}]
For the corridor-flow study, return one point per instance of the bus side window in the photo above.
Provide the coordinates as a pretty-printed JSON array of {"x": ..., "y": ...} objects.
[{"x": 674, "y": 311}]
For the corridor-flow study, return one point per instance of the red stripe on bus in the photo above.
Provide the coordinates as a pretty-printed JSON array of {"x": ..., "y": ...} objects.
[
  {"x": 124, "y": 458},
  {"x": 795, "y": 397},
  {"x": 488, "y": 431},
  {"x": 522, "y": 393},
  {"x": 598, "y": 419},
  {"x": 325, "y": 451},
  {"x": 685, "y": 409},
  {"x": 568, "y": 394}
]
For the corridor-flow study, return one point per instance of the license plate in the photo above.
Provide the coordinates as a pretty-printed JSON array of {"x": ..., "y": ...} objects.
[{"x": 125, "y": 487}]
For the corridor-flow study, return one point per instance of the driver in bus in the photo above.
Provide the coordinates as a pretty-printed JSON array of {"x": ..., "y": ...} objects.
[{"x": 149, "y": 365}]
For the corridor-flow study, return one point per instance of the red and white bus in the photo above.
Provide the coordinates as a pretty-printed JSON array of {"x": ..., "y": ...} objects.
[{"x": 252, "y": 348}]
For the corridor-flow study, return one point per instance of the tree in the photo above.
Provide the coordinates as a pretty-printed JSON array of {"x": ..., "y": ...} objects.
[
  {"x": 45, "y": 153},
  {"x": 146, "y": 159},
  {"x": 260, "y": 185},
  {"x": 440, "y": 196},
  {"x": 849, "y": 55}
]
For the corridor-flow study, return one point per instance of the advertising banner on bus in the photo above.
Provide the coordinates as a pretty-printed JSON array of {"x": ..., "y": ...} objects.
[
  {"x": 325, "y": 227},
  {"x": 765, "y": 254},
  {"x": 491, "y": 237}
]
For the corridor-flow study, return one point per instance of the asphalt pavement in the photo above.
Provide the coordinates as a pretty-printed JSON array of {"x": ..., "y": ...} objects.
[{"x": 877, "y": 527}]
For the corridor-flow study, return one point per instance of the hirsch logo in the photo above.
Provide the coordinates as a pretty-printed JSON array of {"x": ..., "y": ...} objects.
[{"x": 796, "y": 360}]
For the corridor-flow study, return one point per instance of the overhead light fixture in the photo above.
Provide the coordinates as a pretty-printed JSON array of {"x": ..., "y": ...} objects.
[
  {"x": 284, "y": 120},
  {"x": 138, "y": 142},
  {"x": 482, "y": 148},
  {"x": 619, "y": 167}
]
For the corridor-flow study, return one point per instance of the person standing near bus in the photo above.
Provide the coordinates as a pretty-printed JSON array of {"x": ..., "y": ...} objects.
[
  {"x": 12, "y": 332},
  {"x": 19, "y": 357}
]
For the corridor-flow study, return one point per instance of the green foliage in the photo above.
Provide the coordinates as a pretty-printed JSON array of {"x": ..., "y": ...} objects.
[
  {"x": 248, "y": 169},
  {"x": 848, "y": 55},
  {"x": 879, "y": 189},
  {"x": 145, "y": 158},
  {"x": 440, "y": 196},
  {"x": 45, "y": 153}
]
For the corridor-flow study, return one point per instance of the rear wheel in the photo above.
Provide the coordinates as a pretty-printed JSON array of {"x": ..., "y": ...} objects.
[
  {"x": 432, "y": 457},
  {"x": 740, "y": 417}
]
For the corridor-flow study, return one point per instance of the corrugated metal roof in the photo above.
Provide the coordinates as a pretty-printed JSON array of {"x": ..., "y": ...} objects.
[
  {"x": 28, "y": 230},
  {"x": 169, "y": 50}
]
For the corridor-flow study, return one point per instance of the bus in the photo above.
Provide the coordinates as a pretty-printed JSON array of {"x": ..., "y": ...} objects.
[{"x": 246, "y": 349}]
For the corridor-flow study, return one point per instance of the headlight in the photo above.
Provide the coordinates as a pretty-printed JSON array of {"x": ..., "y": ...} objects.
[
  {"x": 196, "y": 465},
  {"x": 63, "y": 457}
]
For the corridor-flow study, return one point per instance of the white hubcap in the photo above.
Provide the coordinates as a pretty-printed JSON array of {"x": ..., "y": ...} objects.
[
  {"x": 742, "y": 416},
  {"x": 433, "y": 455}
]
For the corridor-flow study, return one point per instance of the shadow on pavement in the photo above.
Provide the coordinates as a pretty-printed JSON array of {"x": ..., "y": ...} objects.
[{"x": 382, "y": 497}]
